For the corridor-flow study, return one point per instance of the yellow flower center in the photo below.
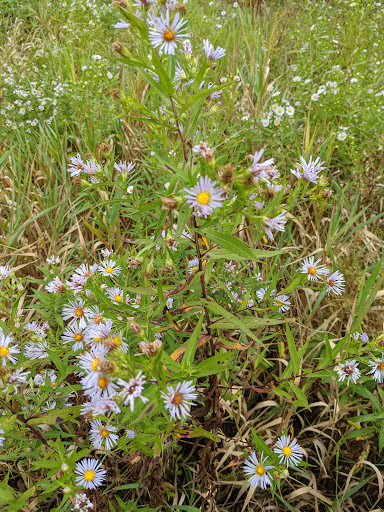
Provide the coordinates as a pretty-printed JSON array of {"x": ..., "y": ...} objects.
[
  {"x": 177, "y": 399},
  {"x": 287, "y": 451},
  {"x": 79, "y": 312},
  {"x": 312, "y": 271},
  {"x": 260, "y": 470},
  {"x": 87, "y": 274},
  {"x": 104, "y": 433},
  {"x": 102, "y": 382},
  {"x": 109, "y": 270},
  {"x": 117, "y": 340},
  {"x": 118, "y": 298},
  {"x": 79, "y": 337},
  {"x": 89, "y": 475},
  {"x": 98, "y": 340},
  {"x": 4, "y": 351},
  {"x": 169, "y": 35},
  {"x": 53, "y": 384},
  {"x": 203, "y": 198},
  {"x": 97, "y": 319},
  {"x": 95, "y": 364}
]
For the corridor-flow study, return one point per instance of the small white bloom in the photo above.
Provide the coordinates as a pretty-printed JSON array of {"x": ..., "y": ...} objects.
[
  {"x": 377, "y": 369},
  {"x": 289, "y": 452},
  {"x": 101, "y": 434},
  {"x": 178, "y": 400},
  {"x": 257, "y": 472},
  {"x": 132, "y": 389},
  {"x": 336, "y": 283},
  {"x": 313, "y": 270},
  {"x": 349, "y": 370},
  {"x": 90, "y": 473},
  {"x": 205, "y": 197}
]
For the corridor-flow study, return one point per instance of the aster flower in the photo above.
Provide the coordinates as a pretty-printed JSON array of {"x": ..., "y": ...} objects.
[
  {"x": 108, "y": 268},
  {"x": 210, "y": 51},
  {"x": 165, "y": 35},
  {"x": 90, "y": 473},
  {"x": 377, "y": 369},
  {"x": 313, "y": 270},
  {"x": 101, "y": 434},
  {"x": 336, "y": 283},
  {"x": 130, "y": 434},
  {"x": 75, "y": 334},
  {"x": 124, "y": 167},
  {"x": 259, "y": 169},
  {"x": 205, "y": 196},
  {"x": 18, "y": 377},
  {"x": 77, "y": 165},
  {"x": 178, "y": 400},
  {"x": 36, "y": 350},
  {"x": 7, "y": 350},
  {"x": 90, "y": 362},
  {"x": 2, "y": 439},
  {"x": 100, "y": 387},
  {"x": 5, "y": 272},
  {"x": 349, "y": 370},
  {"x": 142, "y": 3},
  {"x": 115, "y": 294},
  {"x": 277, "y": 223},
  {"x": 289, "y": 452},
  {"x": 257, "y": 472},
  {"x": 310, "y": 170},
  {"x": 132, "y": 389},
  {"x": 121, "y": 24},
  {"x": 203, "y": 150},
  {"x": 53, "y": 260},
  {"x": 283, "y": 302},
  {"x": 85, "y": 270},
  {"x": 75, "y": 310},
  {"x": 55, "y": 286},
  {"x": 82, "y": 503}
]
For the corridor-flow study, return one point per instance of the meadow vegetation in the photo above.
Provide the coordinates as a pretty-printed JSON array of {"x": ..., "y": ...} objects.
[{"x": 191, "y": 264}]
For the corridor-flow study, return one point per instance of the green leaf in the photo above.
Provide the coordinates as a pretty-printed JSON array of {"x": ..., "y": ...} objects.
[
  {"x": 191, "y": 344},
  {"x": 300, "y": 395}
]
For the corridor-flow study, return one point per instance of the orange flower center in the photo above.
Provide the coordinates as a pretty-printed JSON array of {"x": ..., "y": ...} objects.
[
  {"x": 79, "y": 337},
  {"x": 312, "y": 271},
  {"x": 331, "y": 283},
  {"x": 177, "y": 399},
  {"x": 79, "y": 312},
  {"x": 169, "y": 35},
  {"x": 104, "y": 433},
  {"x": 102, "y": 382},
  {"x": 380, "y": 366}
]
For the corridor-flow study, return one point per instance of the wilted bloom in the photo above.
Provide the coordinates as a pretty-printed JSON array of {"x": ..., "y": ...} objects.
[
  {"x": 259, "y": 169},
  {"x": 124, "y": 167},
  {"x": 90, "y": 473},
  {"x": 55, "y": 286},
  {"x": 164, "y": 34},
  {"x": 205, "y": 196},
  {"x": 377, "y": 369},
  {"x": 203, "y": 150},
  {"x": 178, "y": 400},
  {"x": 257, "y": 472},
  {"x": 313, "y": 269},
  {"x": 210, "y": 51},
  {"x": 336, "y": 283},
  {"x": 349, "y": 370},
  {"x": 289, "y": 452}
]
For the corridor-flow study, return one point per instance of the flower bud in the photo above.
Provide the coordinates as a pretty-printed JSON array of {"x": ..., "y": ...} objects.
[{"x": 135, "y": 327}]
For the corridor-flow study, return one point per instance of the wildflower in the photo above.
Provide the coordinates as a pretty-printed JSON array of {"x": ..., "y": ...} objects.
[
  {"x": 100, "y": 434},
  {"x": 210, "y": 51},
  {"x": 90, "y": 473},
  {"x": 290, "y": 111},
  {"x": 124, "y": 167},
  {"x": 259, "y": 169},
  {"x": 178, "y": 400},
  {"x": 205, "y": 196},
  {"x": 315, "y": 97},
  {"x": 296, "y": 78},
  {"x": 55, "y": 286},
  {"x": 279, "y": 111},
  {"x": 75, "y": 334},
  {"x": 270, "y": 88},
  {"x": 277, "y": 223},
  {"x": 2, "y": 439},
  {"x": 77, "y": 166},
  {"x": 130, "y": 434},
  {"x": 289, "y": 452},
  {"x": 85, "y": 270},
  {"x": 257, "y": 472},
  {"x": 37, "y": 350},
  {"x": 115, "y": 294},
  {"x": 100, "y": 387},
  {"x": 313, "y": 269},
  {"x": 76, "y": 311},
  {"x": 132, "y": 389},
  {"x": 130, "y": 189},
  {"x": 377, "y": 369},
  {"x": 5, "y": 272},
  {"x": 364, "y": 337},
  {"x": 108, "y": 268},
  {"x": 18, "y": 377},
  {"x": 6, "y": 350},
  {"x": 150, "y": 349},
  {"x": 277, "y": 121},
  {"x": 90, "y": 362},
  {"x": 203, "y": 150},
  {"x": 265, "y": 122},
  {"x": 350, "y": 370},
  {"x": 82, "y": 503},
  {"x": 310, "y": 170},
  {"x": 342, "y": 136},
  {"x": 336, "y": 283},
  {"x": 283, "y": 302},
  {"x": 53, "y": 260},
  {"x": 187, "y": 47},
  {"x": 164, "y": 34}
]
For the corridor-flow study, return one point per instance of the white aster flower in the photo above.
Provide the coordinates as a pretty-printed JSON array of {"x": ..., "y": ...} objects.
[
  {"x": 5, "y": 272},
  {"x": 77, "y": 166},
  {"x": 257, "y": 472},
  {"x": 315, "y": 97},
  {"x": 109, "y": 268},
  {"x": 121, "y": 24},
  {"x": 336, "y": 283},
  {"x": 75, "y": 310},
  {"x": 85, "y": 271},
  {"x": 90, "y": 361},
  {"x": 313, "y": 270},
  {"x": 90, "y": 473},
  {"x": 210, "y": 51},
  {"x": 76, "y": 334},
  {"x": 124, "y": 167},
  {"x": 178, "y": 400},
  {"x": 283, "y": 302},
  {"x": 277, "y": 223},
  {"x": 165, "y": 35},
  {"x": 100, "y": 387},
  {"x": 377, "y": 369},
  {"x": 289, "y": 452},
  {"x": 7, "y": 350},
  {"x": 101, "y": 434},
  {"x": 342, "y": 136},
  {"x": 53, "y": 260},
  {"x": 115, "y": 294},
  {"x": 310, "y": 170},
  {"x": 55, "y": 286},
  {"x": 132, "y": 389},
  {"x": 349, "y": 370},
  {"x": 36, "y": 350},
  {"x": 205, "y": 196}
]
